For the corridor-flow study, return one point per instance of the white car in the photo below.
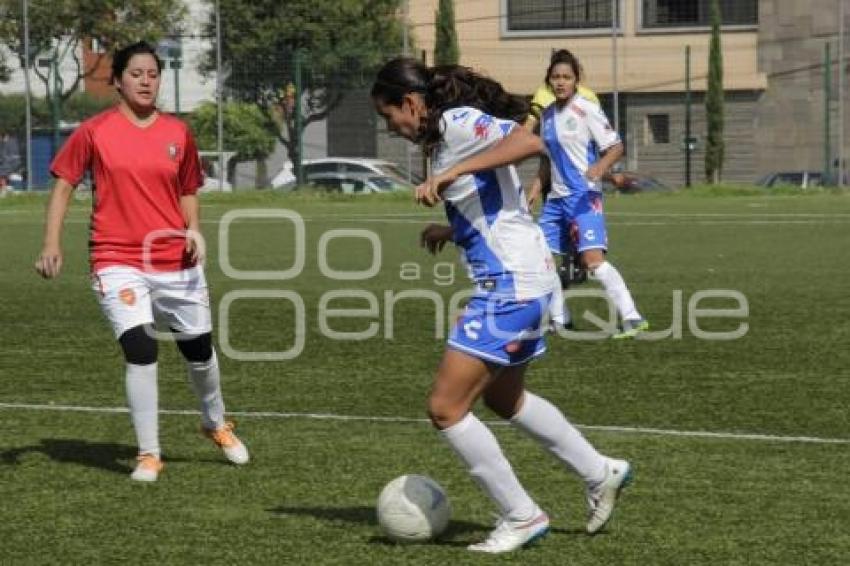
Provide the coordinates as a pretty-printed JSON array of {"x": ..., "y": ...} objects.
[
  {"x": 285, "y": 179},
  {"x": 212, "y": 184},
  {"x": 350, "y": 166},
  {"x": 358, "y": 184}
]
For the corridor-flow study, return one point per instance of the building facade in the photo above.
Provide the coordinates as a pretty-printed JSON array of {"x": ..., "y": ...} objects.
[{"x": 772, "y": 63}]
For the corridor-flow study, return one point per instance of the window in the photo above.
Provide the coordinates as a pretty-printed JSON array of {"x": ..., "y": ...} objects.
[
  {"x": 317, "y": 168},
  {"x": 696, "y": 13},
  {"x": 657, "y": 129},
  {"x": 543, "y": 15},
  {"x": 353, "y": 168}
]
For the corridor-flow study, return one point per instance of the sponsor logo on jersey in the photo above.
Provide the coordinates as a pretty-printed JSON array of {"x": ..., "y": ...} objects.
[
  {"x": 482, "y": 126},
  {"x": 589, "y": 235},
  {"x": 460, "y": 116},
  {"x": 572, "y": 124},
  {"x": 127, "y": 296}
]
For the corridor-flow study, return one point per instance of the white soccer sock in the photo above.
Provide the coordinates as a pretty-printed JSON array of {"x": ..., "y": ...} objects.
[
  {"x": 480, "y": 451},
  {"x": 616, "y": 288},
  {"x": 541, "y": 420},
  {"x": 206, "y": 381},
  {"x": 559, "y": 313},
  {"x": 143, "y": 400}
]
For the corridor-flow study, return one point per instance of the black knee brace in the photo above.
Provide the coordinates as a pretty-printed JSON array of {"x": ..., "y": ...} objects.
[
  {"x": 196, "y": 348},
  {"x": 139, "y": 345}
]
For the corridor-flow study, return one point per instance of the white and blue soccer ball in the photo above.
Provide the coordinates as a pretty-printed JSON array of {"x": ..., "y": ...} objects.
[{"x": 413, "y": 508}]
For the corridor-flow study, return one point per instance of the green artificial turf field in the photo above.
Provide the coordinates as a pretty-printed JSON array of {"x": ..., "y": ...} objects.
[{"x": 767, "y": 488}]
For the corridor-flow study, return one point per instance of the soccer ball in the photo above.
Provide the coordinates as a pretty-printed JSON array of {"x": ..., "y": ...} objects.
[{"x": 413, "y": 508}]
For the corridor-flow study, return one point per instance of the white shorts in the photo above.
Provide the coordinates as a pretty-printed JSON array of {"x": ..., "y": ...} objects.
[{"x": 178, "y": 300}]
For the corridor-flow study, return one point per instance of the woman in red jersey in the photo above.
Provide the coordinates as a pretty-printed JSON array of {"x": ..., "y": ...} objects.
[{"x": 146, "y": 250}]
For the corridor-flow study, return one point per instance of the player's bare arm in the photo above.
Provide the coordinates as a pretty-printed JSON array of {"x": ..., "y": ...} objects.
[
  {"x": 540, "y": 180},
  {"x": 49, "y": 262},
  {"x": 516, "y": 146},
  {"x": 596, "y": 171},
  {"x": 195, "y": 244}
]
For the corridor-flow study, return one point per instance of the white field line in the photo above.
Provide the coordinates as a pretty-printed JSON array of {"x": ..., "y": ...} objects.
[
  {"x": 426, "y": 216},
  {"x": 377, "y": 419},
  {"x": 420, "y": 221}
]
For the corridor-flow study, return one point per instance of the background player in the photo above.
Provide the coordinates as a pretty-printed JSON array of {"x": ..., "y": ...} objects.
[
  {"x": 145, "y": 249},
  {"x": 581, "y": 146}
]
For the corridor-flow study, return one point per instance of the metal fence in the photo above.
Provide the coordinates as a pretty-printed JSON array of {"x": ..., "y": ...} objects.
[{"x": 259, "y": 112}]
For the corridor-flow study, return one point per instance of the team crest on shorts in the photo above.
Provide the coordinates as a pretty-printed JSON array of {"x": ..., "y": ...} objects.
[
  {"x": 127, "y": 296},
  {"x": 173, "y": 151}
]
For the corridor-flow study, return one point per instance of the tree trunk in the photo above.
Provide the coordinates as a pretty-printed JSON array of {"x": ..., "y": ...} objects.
[
  {"x": 231, "y": 171},
  {"x": 261, "y": 180}
]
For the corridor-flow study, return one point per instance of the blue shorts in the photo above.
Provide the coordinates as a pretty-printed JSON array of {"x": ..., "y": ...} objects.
[
  {"x": 579, "y": 219},
  {"x": 501, "y": 331}
]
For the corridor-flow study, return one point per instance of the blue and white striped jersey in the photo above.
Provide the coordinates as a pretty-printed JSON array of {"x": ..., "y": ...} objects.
[
  {"x": 504, "y": 250},
  {"x": 574, "y": 135}
]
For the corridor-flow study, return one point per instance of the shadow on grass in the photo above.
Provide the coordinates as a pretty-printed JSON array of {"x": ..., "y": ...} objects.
[
  {"x": 102, "y": 455},
  {"x": 457, "y": 534}
]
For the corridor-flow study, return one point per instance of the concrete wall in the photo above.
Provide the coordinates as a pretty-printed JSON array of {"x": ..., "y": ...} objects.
[
  {"x": 790, "y": 114},
  {"x": 667, "y": 161},
  {"x": 649, "y": 60}
]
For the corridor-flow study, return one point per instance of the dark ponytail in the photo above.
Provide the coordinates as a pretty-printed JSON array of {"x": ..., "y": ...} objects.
[
  {"x": 399, "y": 77},
  {"x": 445, "y": 87},
  {"x": 453, "y": 85}
]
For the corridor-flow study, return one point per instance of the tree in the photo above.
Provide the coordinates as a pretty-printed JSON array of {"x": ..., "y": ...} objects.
[
  {"x": 7, "y": 26},
  {"x": 714, "y": 150},
  {"x": 13, "y": 113},
  {"x": 335, "y": 44},
  {"x": 446, "y": 50},
  {"x": 246, "y": 129},
  {"x": 57, "y": 30},
  {"x": 78, "y": 107}
]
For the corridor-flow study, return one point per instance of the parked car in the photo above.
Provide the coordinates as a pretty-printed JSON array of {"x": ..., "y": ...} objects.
[
  {"x": 800, "y": 179},
  {"x": 285, "y": 178},
  {"x": 213, "y": 184},
  {"x": 630, "y": 182},
  {"x": 17, "y": 181},
  {"x": 344, "y": 166},
  {"x": 212, "y": 181},
  {"x": 353, "y": 183}
]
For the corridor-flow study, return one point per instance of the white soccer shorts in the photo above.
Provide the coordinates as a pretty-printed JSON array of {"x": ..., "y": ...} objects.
[{"x": 177, "y": 300}]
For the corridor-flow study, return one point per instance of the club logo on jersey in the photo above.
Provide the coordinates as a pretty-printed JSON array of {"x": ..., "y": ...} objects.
[
  {"x": 589, "y": 235},
  {"x": 482, "y": 126},
  {"x": 127, "y": 296},
  {"x": 173, "y": 151}
]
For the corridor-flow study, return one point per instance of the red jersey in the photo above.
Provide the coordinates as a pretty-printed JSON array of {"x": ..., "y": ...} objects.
[{"x": 139, "y": 175}]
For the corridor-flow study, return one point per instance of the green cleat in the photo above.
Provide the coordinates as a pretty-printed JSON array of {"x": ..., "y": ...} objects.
[{"x": 631, "y": 328}]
